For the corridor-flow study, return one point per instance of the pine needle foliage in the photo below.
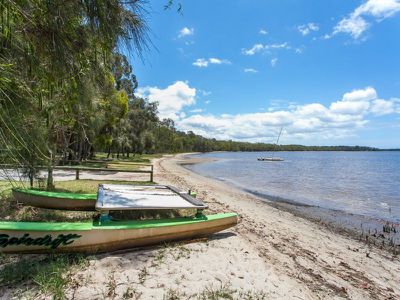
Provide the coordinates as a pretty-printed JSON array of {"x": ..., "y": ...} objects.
[{"x": 56, "y": 80}]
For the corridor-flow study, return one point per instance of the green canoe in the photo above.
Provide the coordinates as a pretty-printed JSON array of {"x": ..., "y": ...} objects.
[{"x": 55, "y": 200}]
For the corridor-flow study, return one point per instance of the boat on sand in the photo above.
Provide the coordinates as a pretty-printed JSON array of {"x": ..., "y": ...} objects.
[
  {"x": 58, "y": 200},
  {"x": 105, "y": 234},
  {"x": 55, "y": 200}
]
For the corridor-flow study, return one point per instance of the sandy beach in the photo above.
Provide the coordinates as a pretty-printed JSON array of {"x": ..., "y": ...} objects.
[
  {"x": 291, "y": 257},
  {"x": 270, "y": 254}
]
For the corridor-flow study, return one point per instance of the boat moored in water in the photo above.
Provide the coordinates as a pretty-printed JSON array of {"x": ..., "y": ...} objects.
[{"x": 270, "y": 159}]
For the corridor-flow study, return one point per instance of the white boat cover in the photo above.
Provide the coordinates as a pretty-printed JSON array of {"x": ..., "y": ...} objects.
[{"x": 139, "y": 197}]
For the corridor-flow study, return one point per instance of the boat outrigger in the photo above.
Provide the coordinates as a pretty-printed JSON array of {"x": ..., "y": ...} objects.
[
  {"x": 58, "y": 200},
  {"x": 55, "y": 200},
  {"x": 106, "y": 234}
]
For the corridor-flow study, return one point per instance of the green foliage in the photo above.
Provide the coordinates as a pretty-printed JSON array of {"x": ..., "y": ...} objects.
[{"x": 57, "y": 88}]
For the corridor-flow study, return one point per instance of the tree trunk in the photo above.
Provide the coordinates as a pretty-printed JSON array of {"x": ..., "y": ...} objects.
[{"x": 50, "y": 181}]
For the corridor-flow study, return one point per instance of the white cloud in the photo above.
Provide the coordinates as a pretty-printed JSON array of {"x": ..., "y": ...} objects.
[
  {"x": 298, "y": 50},
  {"x": 315, "y": 120},
  {"x": 350, "y": 108},
  {"x": 262, "y": 48},
  {"x": 274, "y": 61},
  {"x": 250, "y": 70},
  {"x": 185, "y": 31},
  {"x": 218, "y": 61},
  {"x": 205, "y": 93},
  {"x": 382, "y": 107},
  {"x": 277, "y": 46},
  {"x": 306, "y": 29},
  {"x": 197, "y": 110},
  {"x": 366, "y": 94},
  {"x": 263, "y": 31},
  {"x": 253, "y": 50},
  {"x": 361, "y": 18},
  {"x": 171, "y": 100},
  {"x": 356, "y": 102},
  {"x": 354, "y": 26},
  {"x": 203, "y": 63}
]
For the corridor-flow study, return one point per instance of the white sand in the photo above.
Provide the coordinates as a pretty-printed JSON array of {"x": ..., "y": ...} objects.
[
  {"x": 270, "y": 254},
  {"x": 298, "y": 258}
]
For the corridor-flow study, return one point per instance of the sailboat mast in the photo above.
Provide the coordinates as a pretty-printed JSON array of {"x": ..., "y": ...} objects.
[
  {"x": 280, "y": 132},
  {"x": 277, "y": 141}
]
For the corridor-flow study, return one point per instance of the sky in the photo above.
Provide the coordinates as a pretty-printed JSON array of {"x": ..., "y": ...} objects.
[{"x": 327, "y": 72}]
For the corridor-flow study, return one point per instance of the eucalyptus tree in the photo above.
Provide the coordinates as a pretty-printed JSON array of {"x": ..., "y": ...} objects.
[{"x": 143, "y": 118}]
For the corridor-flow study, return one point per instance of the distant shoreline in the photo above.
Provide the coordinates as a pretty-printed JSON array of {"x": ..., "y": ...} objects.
[{"x": 297, "y": 150}]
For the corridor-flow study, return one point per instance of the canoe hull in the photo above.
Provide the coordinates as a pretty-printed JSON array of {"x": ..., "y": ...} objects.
[
  {"x": 59, "y": 203},
  {"x": 99, "y": 239}
]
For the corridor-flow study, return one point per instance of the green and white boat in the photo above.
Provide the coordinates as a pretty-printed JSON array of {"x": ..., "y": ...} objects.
[
  {"x": 55, "y": 200},
  {"x": 105, "y": 234},
  {"x": 58, "y": 200}
]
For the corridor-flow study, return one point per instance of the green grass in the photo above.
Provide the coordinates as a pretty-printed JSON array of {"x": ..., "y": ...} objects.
[
  {"x": 5, "y": 188},
  {"x": 224, "y": 291},
  {"x": 125, "y": 166},
  {"x": 82, "y": 186},
  {"x": 143, "y": 158},
  {"x": 92, "y": 165},
  {"x": 4, "y": 184},
  {"x": 49, "y": 274}
]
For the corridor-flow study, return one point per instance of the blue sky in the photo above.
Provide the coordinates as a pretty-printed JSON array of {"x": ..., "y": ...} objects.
[{"x": 328, "y": 72}]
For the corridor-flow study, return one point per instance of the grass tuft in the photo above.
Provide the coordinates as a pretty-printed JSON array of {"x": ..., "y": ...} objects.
[
  {"x": 50, "y": 274},
  {"x": 143, "y": 275},
  {"x": 223, "y": 292},
  {"x": 131, "y": 293},
  {"x": 173, "y": 295}
]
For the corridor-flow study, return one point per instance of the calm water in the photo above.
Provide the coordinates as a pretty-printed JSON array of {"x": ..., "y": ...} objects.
[{"x": 365, "y": 183}]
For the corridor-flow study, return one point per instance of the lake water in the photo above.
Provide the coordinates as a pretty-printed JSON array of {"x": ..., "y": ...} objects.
[{"x": 363, "y": 183}]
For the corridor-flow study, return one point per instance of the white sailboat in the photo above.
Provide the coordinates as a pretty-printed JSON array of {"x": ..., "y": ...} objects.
[{"x": 273, "y": 158}]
